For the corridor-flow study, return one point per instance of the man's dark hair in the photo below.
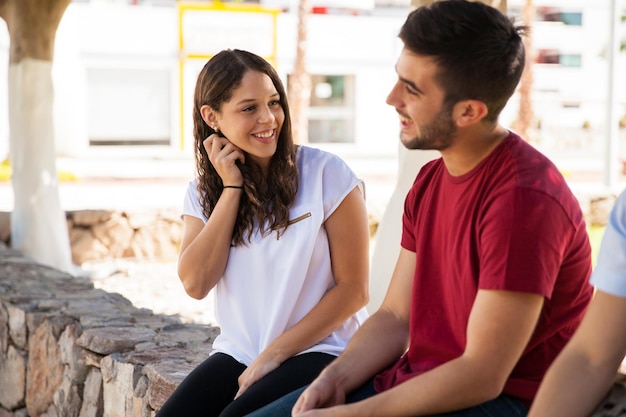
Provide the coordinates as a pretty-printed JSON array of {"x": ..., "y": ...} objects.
[{"x": 479, "y": 50}]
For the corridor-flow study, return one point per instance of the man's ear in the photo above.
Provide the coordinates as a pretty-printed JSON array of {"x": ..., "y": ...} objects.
[
  {"x": 208, "y": 115},
  {"x": 469, "y": 112}
]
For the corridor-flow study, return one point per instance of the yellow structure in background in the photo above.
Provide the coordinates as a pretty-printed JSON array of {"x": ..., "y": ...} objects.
[{"x": 204, "y": 29}]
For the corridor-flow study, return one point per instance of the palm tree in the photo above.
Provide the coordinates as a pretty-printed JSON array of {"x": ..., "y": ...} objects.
[
  {"x": 38, "y": 225},
  {"x": 299, "y": 86},
  {"x": 526, "y": 116}
]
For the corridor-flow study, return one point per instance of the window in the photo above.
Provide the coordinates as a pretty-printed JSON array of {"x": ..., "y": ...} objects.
[
  {"x": 554, "y": 57},
  {"x": 572, "y": 18},
  {"x": 547, "y": 56},
  {"x": 331, "y": 110},
  {"x": 128, "y": 106},
  {"x": 570, "y": 60},
  {"x": 554, "y": 14}
]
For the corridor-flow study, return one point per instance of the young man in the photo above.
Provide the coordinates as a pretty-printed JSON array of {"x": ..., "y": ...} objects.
[
  {"x": 492, "y": 277},
  {"x": 582, "y": 374}
]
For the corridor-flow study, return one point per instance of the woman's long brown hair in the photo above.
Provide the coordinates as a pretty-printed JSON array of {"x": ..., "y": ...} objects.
[{"x": 266, "y": 200}]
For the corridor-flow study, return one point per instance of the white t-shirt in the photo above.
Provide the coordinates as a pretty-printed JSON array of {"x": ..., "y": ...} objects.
[
  {"x": 270, "y": 284},
  {"x": 609, "y": 274}
]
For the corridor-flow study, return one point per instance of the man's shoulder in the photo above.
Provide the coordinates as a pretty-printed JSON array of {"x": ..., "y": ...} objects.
[{"x": 532, "y": 168}]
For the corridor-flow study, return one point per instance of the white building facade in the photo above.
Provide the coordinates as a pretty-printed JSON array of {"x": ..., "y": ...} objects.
[{"x": 121, "y": 76}]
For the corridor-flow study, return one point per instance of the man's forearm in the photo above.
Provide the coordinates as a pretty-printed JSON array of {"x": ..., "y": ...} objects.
[
  {"x": 455, "y": 385},
  {"x": 382, "y": 339}
]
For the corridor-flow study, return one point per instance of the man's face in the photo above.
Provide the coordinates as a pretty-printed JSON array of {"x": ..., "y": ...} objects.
[{"x": 424, "y": 121}]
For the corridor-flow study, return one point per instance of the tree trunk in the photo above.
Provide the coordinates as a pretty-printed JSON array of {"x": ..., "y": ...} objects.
[
  {"x": 524, "y": 125},
  {"x": 38, "y": 225},
  {"x": 299, "y": 88}
]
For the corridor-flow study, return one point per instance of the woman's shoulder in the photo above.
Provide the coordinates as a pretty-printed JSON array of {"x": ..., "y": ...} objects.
[{"x": 310, "y": 155}]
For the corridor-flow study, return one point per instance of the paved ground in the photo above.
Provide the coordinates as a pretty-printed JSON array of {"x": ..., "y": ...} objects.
[{"x": 128, "y": 182}]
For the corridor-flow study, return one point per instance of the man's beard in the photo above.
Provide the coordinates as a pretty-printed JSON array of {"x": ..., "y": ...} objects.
[{"x": 438, "y": 135}]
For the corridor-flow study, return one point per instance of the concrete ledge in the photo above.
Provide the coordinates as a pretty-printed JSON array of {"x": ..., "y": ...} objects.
[{"x": 68, "y": 349}]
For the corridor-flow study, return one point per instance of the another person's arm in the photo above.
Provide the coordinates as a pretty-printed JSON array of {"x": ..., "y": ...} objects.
[
  {"x": 500, "y": 326},
  {"x": 348, "y": 237},
  {"x": 581, "y": 375}
]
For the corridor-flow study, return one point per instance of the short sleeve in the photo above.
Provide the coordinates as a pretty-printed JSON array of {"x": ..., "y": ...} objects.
[
  {"x": 609, "y": 274},
  {"x": 191, "y": 204},
  {"x": 338, "y": 180}
]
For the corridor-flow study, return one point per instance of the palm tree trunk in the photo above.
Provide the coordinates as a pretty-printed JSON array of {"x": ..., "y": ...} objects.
[
  {"x": 38, "y": 225},
  {"x": 299, "y": 88},
  {"x": 524, "y": 125}
]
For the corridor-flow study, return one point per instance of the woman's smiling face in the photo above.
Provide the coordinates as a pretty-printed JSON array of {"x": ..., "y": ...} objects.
[{"x": 252, "y": 118}]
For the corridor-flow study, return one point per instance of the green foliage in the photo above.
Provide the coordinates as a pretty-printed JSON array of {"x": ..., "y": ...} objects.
[
  {"x": 595, "y": 237},
  {"x": 5, "y": 170}
]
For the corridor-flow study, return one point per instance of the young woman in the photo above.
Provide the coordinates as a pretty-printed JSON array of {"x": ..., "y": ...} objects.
[{"x": 278, "y": 231}]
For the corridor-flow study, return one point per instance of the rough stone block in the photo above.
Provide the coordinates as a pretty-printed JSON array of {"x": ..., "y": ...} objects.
[
  {"x": 67, "y": 398},
  {"x": 107, "y": 340},
  {"x": 92, "y": 395},
  {"x": 119, "y": 379},
  {"x": 88, "y": 218},
  {"x": 72, "y": 355},
  {"x": 600, "y": 208},
  {"x": 13, "y": 381},
  {"x": 86, "y": 247},
  {"x": 17, "y": 326},
  {"x": 164, "y": 378},
  {"x": 45, "y": 370},
  {"x": 22, "y": 412},
  {"x": 4, "y": 329},
  {"x": 115, "y": 234}
]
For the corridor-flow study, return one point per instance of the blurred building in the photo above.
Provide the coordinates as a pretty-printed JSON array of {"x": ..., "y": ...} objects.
[
  {"x": 123, "y": 79},
  {"x": 571, "y": 49}
]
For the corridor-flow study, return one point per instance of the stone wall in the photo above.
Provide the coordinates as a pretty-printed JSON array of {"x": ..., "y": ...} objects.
[
  {"x": 107, "y": 234},
  {"x": 68, "y": 349}
]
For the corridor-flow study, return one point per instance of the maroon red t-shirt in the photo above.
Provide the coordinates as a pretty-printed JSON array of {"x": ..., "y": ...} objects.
[{"x": 512, "y": 224}]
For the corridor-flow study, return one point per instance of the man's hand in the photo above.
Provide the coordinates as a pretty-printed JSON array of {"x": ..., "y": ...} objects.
[
  {"x": 323, "y": 392},
  {"x": 337, "y": 411}
]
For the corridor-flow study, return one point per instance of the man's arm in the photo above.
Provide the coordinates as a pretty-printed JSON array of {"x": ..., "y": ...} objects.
[
  {"x": 500, "y": 326},
  {"x": 583, "y": 372}
]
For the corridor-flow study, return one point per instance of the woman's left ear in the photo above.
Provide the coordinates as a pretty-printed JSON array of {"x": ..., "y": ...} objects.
[
  {"x": 208, "y": 115},
  {"x": 468, "y": 112}
]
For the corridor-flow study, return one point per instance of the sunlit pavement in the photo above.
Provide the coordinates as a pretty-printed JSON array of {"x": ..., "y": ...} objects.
[{"x": 135, "y": 182}]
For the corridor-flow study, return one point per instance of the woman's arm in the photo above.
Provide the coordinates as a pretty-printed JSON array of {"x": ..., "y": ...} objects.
[
  {"x": 581, "y": 375},
  {"x": 204, "y": 248},
  {"x": 348, "y": 236}
]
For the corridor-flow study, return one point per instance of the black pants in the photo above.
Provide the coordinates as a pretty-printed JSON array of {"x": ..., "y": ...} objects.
[{"x": 208, "y": 391}]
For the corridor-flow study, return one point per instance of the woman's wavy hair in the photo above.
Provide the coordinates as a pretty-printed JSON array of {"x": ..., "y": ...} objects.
[{"x": 266, "y": 200}]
